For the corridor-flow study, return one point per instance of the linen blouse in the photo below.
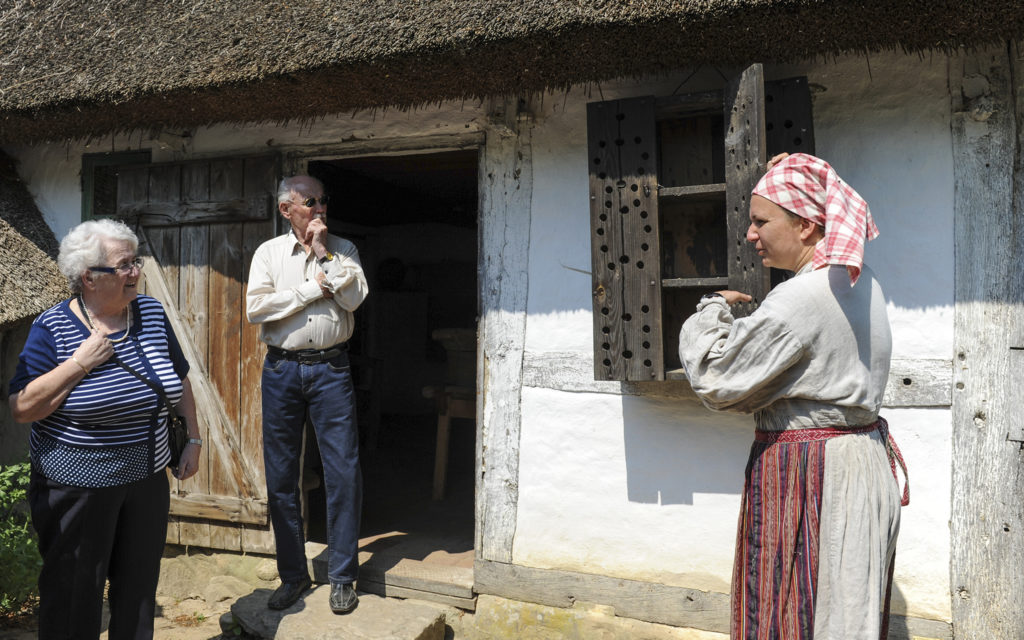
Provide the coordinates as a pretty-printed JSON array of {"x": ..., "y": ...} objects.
[
  {"x": 814, "y": 354},
  {"x": 112, "y": 428}
]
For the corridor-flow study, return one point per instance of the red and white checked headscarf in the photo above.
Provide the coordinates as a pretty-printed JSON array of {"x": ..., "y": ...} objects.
[{"x": 810, "y": 188}]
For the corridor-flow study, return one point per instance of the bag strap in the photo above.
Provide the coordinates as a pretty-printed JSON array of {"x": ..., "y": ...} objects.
[{"x": 154, "y": 386}]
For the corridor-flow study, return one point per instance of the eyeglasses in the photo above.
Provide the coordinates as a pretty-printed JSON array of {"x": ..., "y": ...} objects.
[
  {"x": 122, "y": 269},
  {"x": 311, "y": 202}
]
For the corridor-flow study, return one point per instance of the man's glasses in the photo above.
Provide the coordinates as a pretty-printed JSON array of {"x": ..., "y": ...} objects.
[
  {"x": 311, "y": 202},
  {"x": 122, "y": 269}
]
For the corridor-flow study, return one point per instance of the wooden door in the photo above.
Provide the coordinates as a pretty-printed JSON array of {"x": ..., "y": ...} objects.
[{"x": 198, "y": 224}]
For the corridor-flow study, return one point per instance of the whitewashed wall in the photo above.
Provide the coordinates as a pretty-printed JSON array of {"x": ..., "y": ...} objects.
[{"x": 648, "y": 487}]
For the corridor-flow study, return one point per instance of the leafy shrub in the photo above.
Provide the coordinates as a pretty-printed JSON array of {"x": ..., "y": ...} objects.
[{"x": 19, "y": 555}]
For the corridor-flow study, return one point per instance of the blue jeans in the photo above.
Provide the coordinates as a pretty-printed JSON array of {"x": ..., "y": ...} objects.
[{"x": 323, "y": 391}]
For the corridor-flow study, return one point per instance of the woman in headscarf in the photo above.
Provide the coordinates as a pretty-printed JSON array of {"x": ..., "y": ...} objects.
[
  {"x": 820, "y": 506},
  {"x": 99, "y": 493}
]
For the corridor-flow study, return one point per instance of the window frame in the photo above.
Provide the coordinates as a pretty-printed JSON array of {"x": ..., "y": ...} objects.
[
  {"x": 626, "y": 219},
  {"x": 92, "y": 161}
]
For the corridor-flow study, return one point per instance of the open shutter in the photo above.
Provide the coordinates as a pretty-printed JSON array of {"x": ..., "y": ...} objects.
[
  {"x": 622, "y": 145},
  {"x": 745, "y": 159},
  {"x": 199, "y": 223}
]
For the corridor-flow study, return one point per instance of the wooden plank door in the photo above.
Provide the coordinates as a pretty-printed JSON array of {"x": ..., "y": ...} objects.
[{"x": 199, "y": 222}]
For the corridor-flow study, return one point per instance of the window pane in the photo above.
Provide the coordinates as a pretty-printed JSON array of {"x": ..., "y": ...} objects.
[
  {"x": 691, "y": 151},
  {"x": 104, "y": 197},
  {"x": 693, "y": 238}
]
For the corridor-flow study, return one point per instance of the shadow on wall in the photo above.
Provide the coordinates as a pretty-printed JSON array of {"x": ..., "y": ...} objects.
[{"x": 676, "y": 448}]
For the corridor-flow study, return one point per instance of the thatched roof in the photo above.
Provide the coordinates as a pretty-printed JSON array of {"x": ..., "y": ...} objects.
[
  {"x": 29, "y": 280},
  {"x": 73, "y": 68}
]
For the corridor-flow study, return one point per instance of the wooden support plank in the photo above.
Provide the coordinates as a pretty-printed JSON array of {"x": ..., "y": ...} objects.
[
  {"x": 296, "y": 160},
  {"x": 193, "y": 303},
  {"x": 225, "y": 327},
  {"x": 919, "y": 383},
  {"x": 987, "y": 523},
  {"x": 647, "y": 601},
  {"x": 166, "y": 213},
  {"x": 912, "y": 383},
  {"x": 506, "y": 190},
  {"x": 254, "y": 539},
  {"x": 227, "y": 508}
]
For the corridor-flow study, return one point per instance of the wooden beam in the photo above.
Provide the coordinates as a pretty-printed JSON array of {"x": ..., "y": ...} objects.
[
  {"x": 647, "y": 601},
  {"x": 378, "y": 146},
  {"x": 987, "y": 523},
  {"x": 506, "y": 191},
  {"x": 912, "y": 383},
  {"x": 230, "y": 508}
]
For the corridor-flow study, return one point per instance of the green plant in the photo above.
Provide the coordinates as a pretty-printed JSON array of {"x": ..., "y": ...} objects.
[{"x": 19, "y": 555}]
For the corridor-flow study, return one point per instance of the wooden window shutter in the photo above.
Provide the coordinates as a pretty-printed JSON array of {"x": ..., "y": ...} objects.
[
  {"x": 745, "y": 159},
  {"x": 622, "y": 145}
]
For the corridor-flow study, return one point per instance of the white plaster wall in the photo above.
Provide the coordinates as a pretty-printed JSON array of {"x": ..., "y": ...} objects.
[{"x": 648, "y": 488}]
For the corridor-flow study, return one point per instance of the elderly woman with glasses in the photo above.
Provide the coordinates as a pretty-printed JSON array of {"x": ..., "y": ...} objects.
[{"x": 99, "y": 493}]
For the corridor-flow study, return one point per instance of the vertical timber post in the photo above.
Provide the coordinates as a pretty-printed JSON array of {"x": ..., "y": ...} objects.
[
  {"x": 987, "y": 527},
  {"x": 506, "y": 191}
]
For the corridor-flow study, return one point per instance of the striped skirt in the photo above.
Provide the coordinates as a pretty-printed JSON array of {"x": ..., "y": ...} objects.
[{"x": 817, "y": 536}]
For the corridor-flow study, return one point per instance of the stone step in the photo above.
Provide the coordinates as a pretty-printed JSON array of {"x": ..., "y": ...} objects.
[{"x": 310, "y": 618}]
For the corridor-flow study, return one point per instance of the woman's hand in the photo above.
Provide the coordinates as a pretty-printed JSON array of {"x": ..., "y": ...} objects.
[
  {"x": 94, "y": 350},
  {"x": 732, "y": 297},
  {"x": 776, "y": 159},
  {"x": 189, "y": 463}
]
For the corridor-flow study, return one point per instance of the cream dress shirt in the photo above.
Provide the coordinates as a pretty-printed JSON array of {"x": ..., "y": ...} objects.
[{"x": 285, "y": 299}]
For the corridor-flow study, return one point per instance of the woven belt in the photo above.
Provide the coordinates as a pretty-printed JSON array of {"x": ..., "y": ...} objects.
[
  {"x": 309, "y": 356},
  {"x": 824, "y": 433}
]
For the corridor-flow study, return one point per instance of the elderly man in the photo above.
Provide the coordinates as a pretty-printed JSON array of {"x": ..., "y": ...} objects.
[{"x": 303, "y": 288}]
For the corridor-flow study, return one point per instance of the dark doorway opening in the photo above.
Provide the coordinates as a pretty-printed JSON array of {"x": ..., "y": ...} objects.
[{"x": 414, "y": 220}]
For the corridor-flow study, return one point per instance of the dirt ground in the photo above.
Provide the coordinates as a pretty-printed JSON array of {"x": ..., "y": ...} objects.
[{"x": 195, "y": 590}]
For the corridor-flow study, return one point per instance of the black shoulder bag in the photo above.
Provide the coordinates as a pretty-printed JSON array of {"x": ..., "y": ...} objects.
[{"x": 177, "y": 429}]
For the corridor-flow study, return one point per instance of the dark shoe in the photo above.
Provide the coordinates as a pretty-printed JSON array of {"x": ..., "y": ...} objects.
[
  {"x": 343, "y": 598},
  {"x": 288, "y": 594}
]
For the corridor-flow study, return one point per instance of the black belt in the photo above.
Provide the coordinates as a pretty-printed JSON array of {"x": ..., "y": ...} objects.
[{"x": 309, "y": 356}]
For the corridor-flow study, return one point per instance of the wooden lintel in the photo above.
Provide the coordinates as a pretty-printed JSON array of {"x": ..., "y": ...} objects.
[
  {"x": 227, "y": 508},
  {"x": 404, "y": 144}
]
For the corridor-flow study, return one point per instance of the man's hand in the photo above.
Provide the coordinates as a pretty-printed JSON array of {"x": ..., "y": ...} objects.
[
  {"x": 327, "y": 292},
  {"x": 732, "y": 297},
  {"x": 316, "y": 236}
]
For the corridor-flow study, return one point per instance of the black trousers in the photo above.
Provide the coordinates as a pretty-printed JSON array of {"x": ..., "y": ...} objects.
[{"x": 87, "y": 536}]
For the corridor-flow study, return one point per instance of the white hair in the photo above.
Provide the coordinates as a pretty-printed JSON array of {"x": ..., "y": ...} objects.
[
  {"x": 287, "y": 186},
  {"x": 83, "y": 247}
]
